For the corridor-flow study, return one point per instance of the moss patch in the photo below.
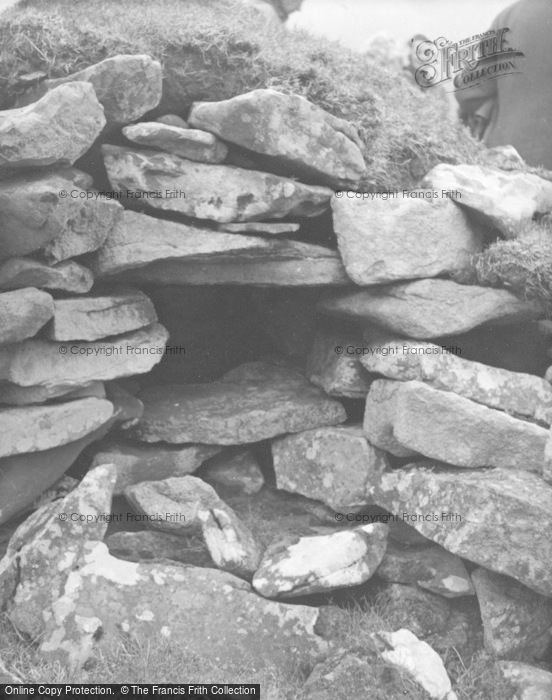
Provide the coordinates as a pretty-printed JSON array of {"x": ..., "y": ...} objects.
[{"x": 216, "y": 49}]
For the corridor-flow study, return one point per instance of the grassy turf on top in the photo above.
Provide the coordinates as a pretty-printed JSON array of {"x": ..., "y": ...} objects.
[{"x": 216, "y": 49}]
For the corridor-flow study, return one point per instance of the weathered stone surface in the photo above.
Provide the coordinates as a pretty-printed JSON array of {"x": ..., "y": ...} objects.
[
  {"x": 503, "y": 519},
  {"x": 127, "y": 86},
  {"x": 423, "y": 613},
  {"x": 384, "y": 240},
  {"x": 67, "y": 276},
  {"x": 305, "y": 139},
  {"x": 200, "y": 610},
  {"x": 320, "y": 561},
  {"x": 148, "y": 545},
  {"x": 135, "y": 463},
  {"x": 526, "y": 682},
  {"x": 235, "y": 411},
  {"x": 380, "y": 415},
  {"x": 43, "y": 363},
  {"x": 259, "y": 228},
  {"x": 192, "y": 144},
  {"x": 35, "y": 428},
  {"x": 547, "y": 472},
  {"x": 219, "y": 193},
  {"x": 431, "y": 308},
  {"x": 513, "y": 392},
  {"x": 517, "y": 623},
  {"x": 354, "y": 670},
  {"x": 23, "y": 313},
  {"x": 90, "y": 318},
  {"x": 506, "y": 199},
  {"x": 405, "y": 651},
  {"x": 234, "y": 471},
  {"x": 450, "y": 428},
  {"x": 58, "y": 129},
  {"x": 14, "y": 395},
  {"x": 332, "y": 465},
  {"x": 431, "y": 567},
  {"x": 333, "y": 365},
  {"x": 172, "y": 120},
  {"x": 34, "y": 215}
]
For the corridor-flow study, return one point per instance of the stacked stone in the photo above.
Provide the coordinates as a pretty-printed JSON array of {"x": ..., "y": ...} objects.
[{"x": 218, "y": 205}]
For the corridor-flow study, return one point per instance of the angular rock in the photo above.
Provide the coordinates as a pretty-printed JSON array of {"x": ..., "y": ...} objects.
[
  {"x": 452, "y": 429},
  {"x": 298, "y": 135},
  {"x": 333, "y": 365},
  {"x": 332, "y": 465},
  {"x": 405, "y": 651},
  {"x": 507, "y": 200},
  {"x": 44, "y": 363},
  {"x": 513, "y": 392},
  {"x": 431, "y": 308},
  {"x": 525, "y": 681},
  {"x": 234, "y": 412},
  {"x": 67, "y": 276},
  {"x": 517, "y": 623},
  {"x": 380, "y": 415},
  {"x": 23, "y": 313},
  {"x": 219, "y": 193},
  {"x": 34, "y": 215},
  {"x": 192, "y": 144},
  {"x": 172, "y": 120},
  {"x": 56, "y": 130},
  {"x": 14, "y": 395},
  {"x": 36, "y": 428},
  {"x": 497, "y": 518},
  {"x": 137, "y": 463},
  {"x": 90, "y": 318},
  {"x": 148, "y": 545},
  {"x": 384, "y": 240},
  {"x": 431, "y": 568},
  {"x": 200, "y": 610},
  {"x": 259, "y": 228},
  {"x": 239, "y": 472},
  {"x": 320, "y": 561},
  {"x": 127, "y": 86}
]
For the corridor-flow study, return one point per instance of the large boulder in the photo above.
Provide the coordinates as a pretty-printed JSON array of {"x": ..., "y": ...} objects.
[
  {"x": 383, "y": 240},
  {"x": 127, "y": 86},
  {"x": 290, "y": 131},
  {"x": 68, "y": 276},
  {"x": 91, "y": 596},
  {"x": 235, "y": 411},
  {"x": 332, "y": 465},
  {"x": 23, "y": 313},
  {"x": 192, "y": 144},
  {"x": 507, "y": 200},
  {"x": 56, "y": 130},
  {"x": 220, "y": 193},
  {"x": 498, "y": 518},
  {"x": 431, "y": 308}
]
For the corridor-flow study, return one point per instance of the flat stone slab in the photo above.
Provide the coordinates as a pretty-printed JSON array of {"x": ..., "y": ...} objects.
[
  {"x": 34, "y": 215},
  {"x": 515, "y": 393},
  {"x": 384, "y": 240},
  {"x": 68, "y": 276},
  {"x": 45, "y": 363},
  {"x": 35, "y": 428},
  {"x": 56, "y": 130},
  {"x": 260, "y": 228},
  {"x": 288, "y": 128},
  {"x": 504, "y": 516},
  {"x": 379, "y": 418},
  {"x": 431, "y": 308},
  {"x": 234, "y": 412},
  {"x": 127, "y": 86},
  {"x": 136, "y": 463},
  {"x": 508, "y": 200},
  {"x": 14, "y": 395},
  {"x": 452, "y": 429},
  {"x": 193, "y": 144},
  {"x": 320, "y": 561},
  {"x": 332, "y": 465},
  {"x": 149, "y": 545},
  {"x": 203, "y": 611},
  {"x": 517, "y": 622},
  {"x": 431, "y": 568},
  {"x": 23, "y": 313},
  {"x": 90, "y": 318},
  {"x": 220, "y": 193}
]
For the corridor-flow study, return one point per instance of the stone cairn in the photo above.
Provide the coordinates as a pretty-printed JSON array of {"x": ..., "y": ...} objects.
[{"x": 389, "y": 423}]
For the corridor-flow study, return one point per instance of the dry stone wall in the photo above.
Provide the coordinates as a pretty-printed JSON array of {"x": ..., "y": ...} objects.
[{"x": 180, "y": 330}]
